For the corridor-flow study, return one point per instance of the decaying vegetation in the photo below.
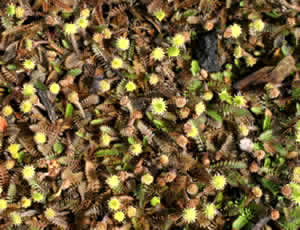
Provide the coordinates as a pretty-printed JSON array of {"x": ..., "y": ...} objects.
[{"x": 161, "y": 114}]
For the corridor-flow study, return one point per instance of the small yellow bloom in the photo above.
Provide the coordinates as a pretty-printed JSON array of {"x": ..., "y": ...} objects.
[
  {"x": 189, "y": 215},
  {"x": 117, "y": 63},
  {"x": 50, "y": 213},
  {"x": 7, "y": 110},
  {"x": 20, "y": 11},
  {"x": 54, "y": 88},
  {"x": 28, "y": 172},
  {"x": 40, "y": 138},
  {"x": 106, "y": 139},
  {"x": 114, "y": 204},
  {"x": 219, "y": 182},
  {"x": 28, "y": 89},
  {"x": 123, "y": 43},
  {"x": 70, "y": 28},
  {"x": 14, "y": 150},
  {"x": 131, "y": 211},
  {"x": 29, "y": 64},
  {"x": 82, "y": 23},
  {"x": 104, "y": 86},
  {"x": 119, "y": 216},
  {"x": 178, "y": 40},
  {"x": 258, "y": 25},
  {"x": 136, "y": 149},
  {"x": 147, "y": 179},
  {"x": 158, "y": 54},
  {"x": 3, "y": 204},
  {"x": 16, "y": 218},
  {"x": 154, "y": 79},
  {"x": 236, "y": 30},
  {"x": 25, "y": 202},
  {"x": 26, "y": 106},
  {"x": 113, "y": 181},
  {"x": 130, "y": 86},
  {"x": 85, "y": 13},
  {"x": 210, "y": 211},
  {"x": 200, "y": 108}
]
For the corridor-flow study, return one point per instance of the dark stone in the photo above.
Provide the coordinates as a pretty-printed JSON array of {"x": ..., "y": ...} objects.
[{"x": 205, "y": 51}]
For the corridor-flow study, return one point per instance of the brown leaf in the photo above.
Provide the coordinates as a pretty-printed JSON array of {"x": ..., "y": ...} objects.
[{"x": 3, "y": 124}]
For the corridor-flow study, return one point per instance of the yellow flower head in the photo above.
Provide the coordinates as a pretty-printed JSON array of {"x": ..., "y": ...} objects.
[
  {"x": 40, "y": 138},
  {"x": 236, "y": 30},
  {"x": 54, "y": 88},
  {"x": 219, "y": 182},
  {"x": 158, "y": 54},
  {"x": 160, "y": 14},
  {"x": 113, "y": 181},
  {"x": 105, "y": 139},
  {"x": 38, "y": 197},
  {"x": 154, "y": 79},
  {"x": 26, "y": 106},
  {"x": 114, "y": 204},
  {"x": 7, "y": 110},
  {"x": 159, "y": 106},
  {"x": 25, "y": 202},
  {"x": 296, "y": 174},
  {"x": 258, "y": 25},
  {"x": 123, "y": 43},
  {"x": 210, "y": 211},
  {"x": 28, "y": 89},
  {"x": 50, "y": 213},
  {"x": 85, "y": 13},
  {"x": 82, "y": 22},
  {"x": 250, "y": 61},
  {"x": 14, "y": 150},
  {"x": 119, "y": 216},
  {"x": 131, "y": 211},
  {"x": 104, "y": 86},
  {"x": 28, "y": 172},
  {"x": 16, "y": 218},
  {"x": 189, "y": 215},
  {"x": 200, "y": 108},
  {"x": 3, "y": 204},
  {"x": 29, "y": 64},
  {"x": 130, "y": 86},
  {"x": 147, "y": 179},
  {"x": 136, "y": 149},
  {"x": 70, "y": 28},
  {"x": 20, "y": 12},
  {"x": 107, "y": 33},
  {"x": 238, "y": 52},
  {"x": 178, "y": 40},
  {"x": 193, "y": 132},
  {"x": 117, "y": 63}
]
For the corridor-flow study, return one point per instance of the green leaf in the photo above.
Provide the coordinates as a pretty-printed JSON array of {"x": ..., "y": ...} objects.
[
  {"x": 75, "y": 72},
  {"x": 69, "y": 110},
  {"x": 11, "y": 67},
  {"x": 190, "y": 12},
  {"x": 285, "y": 50},
  {"x": 97, "y": 121},
  {"x": 267, "y": 123},
  {"x": 195, "y": 68},
  {"x": 214, "y": 115},
  {"x": 266, "y": 135},
  {"x": 65, "y": 44},
  {"x": 106, "y": 152},
  {"x": 40, "y": 85},
  {"x": 131, "y": 140},
  {"x": 58, "y": 147}
]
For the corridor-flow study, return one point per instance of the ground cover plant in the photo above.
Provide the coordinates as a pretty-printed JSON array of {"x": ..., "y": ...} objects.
[{"x": 149, "y": 114}]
